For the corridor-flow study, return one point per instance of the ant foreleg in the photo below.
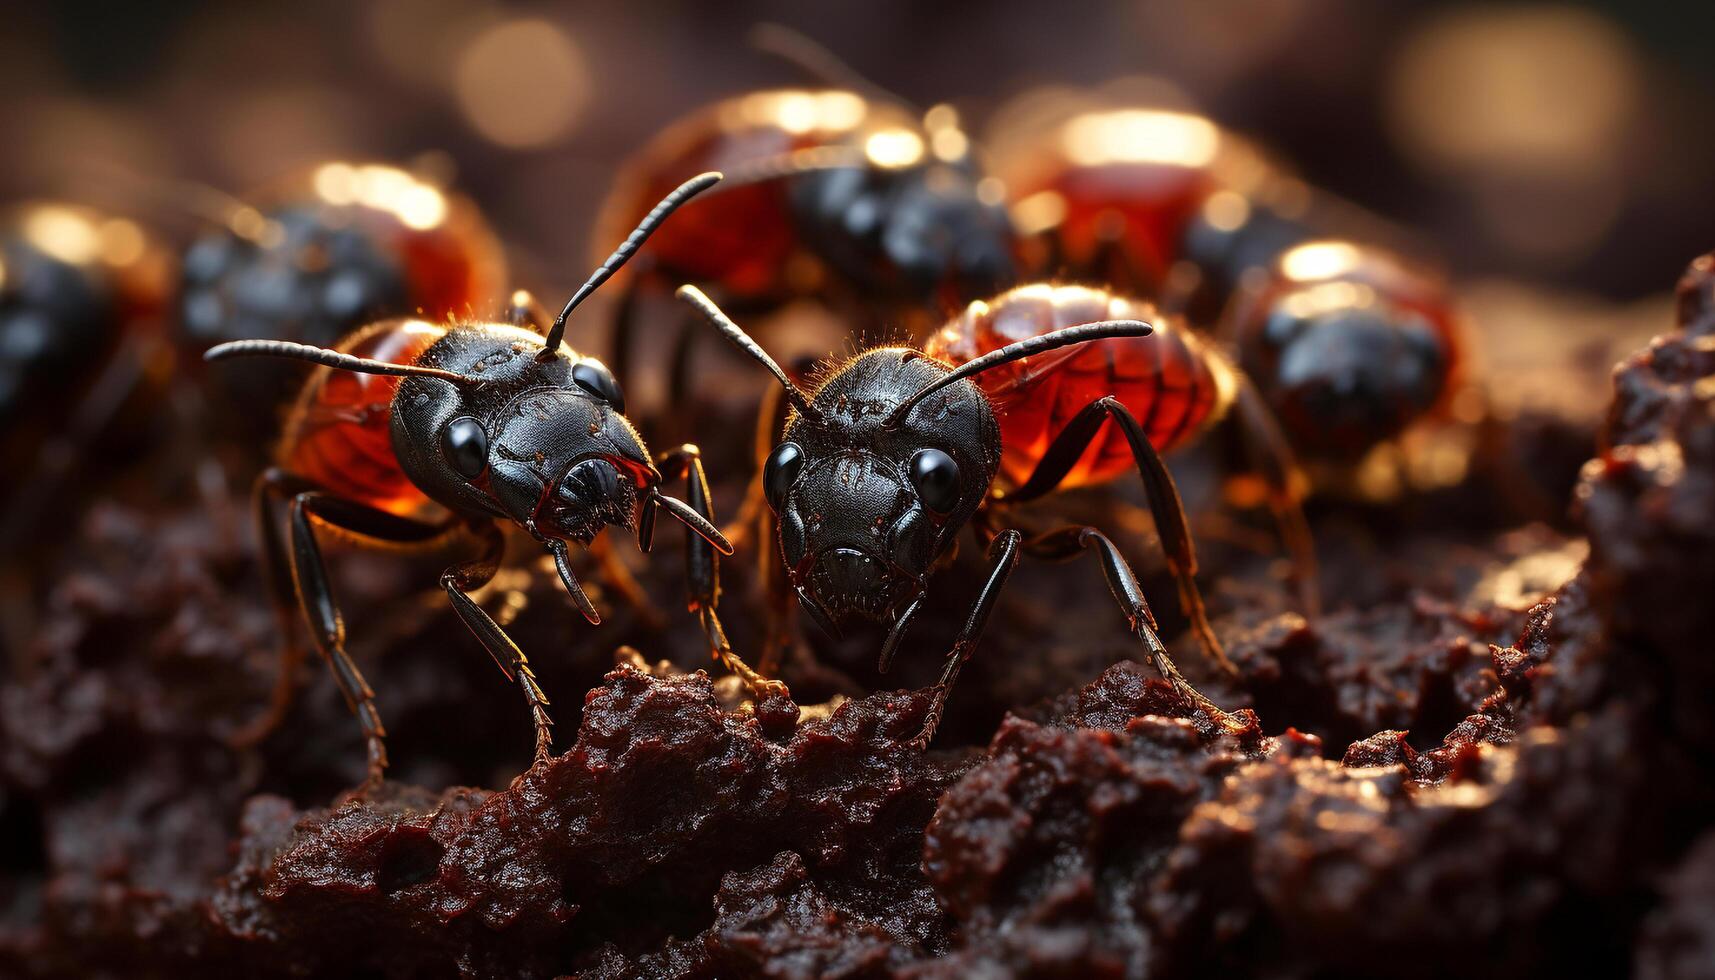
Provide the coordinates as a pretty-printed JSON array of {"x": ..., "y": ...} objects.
[
  {"x": 1003, "y": 558},
  {"x": 274, "y": 484},
  {"x": 1067, "y": 543},
  {"x": 468, "y": 576},
  {"x": 1272, "y": 456},
  {"x": 315, "y": 597},
  {"x": 702, "y": 571},
  {"x": 1164, "y": 504}
]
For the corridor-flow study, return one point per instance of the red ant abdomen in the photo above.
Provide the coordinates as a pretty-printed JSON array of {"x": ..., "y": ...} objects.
[
  {"x": 1174, "y": 383},
  {"x": 339, "y": 432},
  {"x": 742, "y": 236}
]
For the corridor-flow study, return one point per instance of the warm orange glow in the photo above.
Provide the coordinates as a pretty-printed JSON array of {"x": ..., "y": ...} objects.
[
  {"x": 1539, "y": 88},
  {"x": 893, "y": 148},
  {"x": 797, "y": 112},
  {"x": 1315, "y": 261},
  {"x": 417, "y": 204},
  {"x": 1141, "y": 136},
  {"x": 522, "y": 83},
  {"x": 62, "y": 233}
]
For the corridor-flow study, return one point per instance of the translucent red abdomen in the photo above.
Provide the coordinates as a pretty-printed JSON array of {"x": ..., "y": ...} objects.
[
  {"x": 339, "y": 431},
  {"x": 1174, "y": 383}
]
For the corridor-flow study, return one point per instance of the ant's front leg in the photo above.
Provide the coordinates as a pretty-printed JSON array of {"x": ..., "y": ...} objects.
[
  {"x": 1069, "y": 542},
  {"x": 469, "y": 576},
  {"x": 1164, "y": 503},
  {"x": 702, "y": 571},
  {"x": 315, "y": 596},
  {"x": 1003, "y": 558}
]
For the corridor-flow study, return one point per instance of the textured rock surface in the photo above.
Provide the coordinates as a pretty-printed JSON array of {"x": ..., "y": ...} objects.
[{"x": 1492, "y": 758}]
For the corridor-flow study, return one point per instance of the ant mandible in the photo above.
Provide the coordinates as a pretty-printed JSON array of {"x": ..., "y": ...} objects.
[
  {"x": 487, "y": 422},
  {"x": 888, "y": 459}
]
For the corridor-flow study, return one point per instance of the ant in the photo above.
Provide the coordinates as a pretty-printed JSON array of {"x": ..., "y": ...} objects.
[
  {"x": 485, "y": 422},
  {"x": 1349, "y": 342},
  {"x": 843, "y": 190},
  {"x": 894, "y": 453},
  {"x": 83, "y": 341},
  {"x": 325, "y": 253}
]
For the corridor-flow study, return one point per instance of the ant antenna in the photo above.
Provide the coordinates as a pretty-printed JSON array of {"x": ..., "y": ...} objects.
[
  {"x": 734, "y": 333},
  {"x": 684, "y": 192},
  {"x": 1053, "y": 340},
  {"x": 328, "y": 358},
  {"x": 798, "y": 50}
]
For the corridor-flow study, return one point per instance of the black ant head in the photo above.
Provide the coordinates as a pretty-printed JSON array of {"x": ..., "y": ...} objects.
[
  {"x": 544, "y": 444},
  {"x": 866, "y": 504},
  {"x": 916, "y": 221},
  {"x": 879, "y": 469},
  {"x": 1346, "y": 361}
]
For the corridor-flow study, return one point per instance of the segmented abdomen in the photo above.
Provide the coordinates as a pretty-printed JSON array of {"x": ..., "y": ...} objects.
[
  {"x": 338, "y": 434},
  {"x": 1174, "y": 383}
]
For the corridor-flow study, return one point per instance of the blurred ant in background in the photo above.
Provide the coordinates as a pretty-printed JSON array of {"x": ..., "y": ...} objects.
[
  {"x": 1348, "y": 342},
  {"x": 885, "y": 461},
  {"x": 91, "y": 328},
  {"x": 323, "y": 254},
  {"x": 842, "y": 193},
  {"x": 83, "y": 337},
  {"x": 439, "y": 432}
]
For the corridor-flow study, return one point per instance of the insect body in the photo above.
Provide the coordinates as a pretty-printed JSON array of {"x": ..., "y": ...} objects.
[
  {"x": 82, "y": 300},
  {"x": 826, "y": 186},
  {"x": 1168, "y": 204},
  {"x": 1172, "y": 383},
  {"x": 411, "y": 433},
  {"x": 1349, "y": 344},
  {"x": 321, "y": 257},
  {"x": 1172, "y": 380},
  {"x": 888, "y": 459}
]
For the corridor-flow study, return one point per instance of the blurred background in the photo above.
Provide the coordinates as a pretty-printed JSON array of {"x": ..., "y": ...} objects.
[{"x": 1566, "y": 144}]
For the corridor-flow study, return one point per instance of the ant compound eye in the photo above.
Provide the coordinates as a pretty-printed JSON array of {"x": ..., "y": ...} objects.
[
  {"x": 780, "y": 472},
  {"x": 464, "y": 445},
  {"x": 936, "y": 478},
  {"x": 595, "y": 378}
]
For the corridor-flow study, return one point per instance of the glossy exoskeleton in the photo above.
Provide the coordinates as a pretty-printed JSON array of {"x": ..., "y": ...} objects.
[
  {"x": 832, "y": 193},
  {"x": 888, "y": 459},
  {"x": 413, "y": 433},
  {"x": 1173, "y": 382},
  {"x": 348, "y": 244},
  {"x": 1349, "y": 343},
  {"x": 1168, "y": 204}
]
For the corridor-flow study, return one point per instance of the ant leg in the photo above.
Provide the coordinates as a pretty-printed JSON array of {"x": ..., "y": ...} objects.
[
  {"x": 756, "y": 517},
  {"x": 1164, "y": 504},
  {"x": 468, "y": 576},
  {"x": 702, "y": 571},
  {"x": 1003, "y": 558},
  {"x": 272, "y": 486},
  {"x": 315, "y": 597},
  {"x": 1272, "y": 456},
  {"x": 1067, "y": 543},
  {"x": 753, "y": 513}
]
